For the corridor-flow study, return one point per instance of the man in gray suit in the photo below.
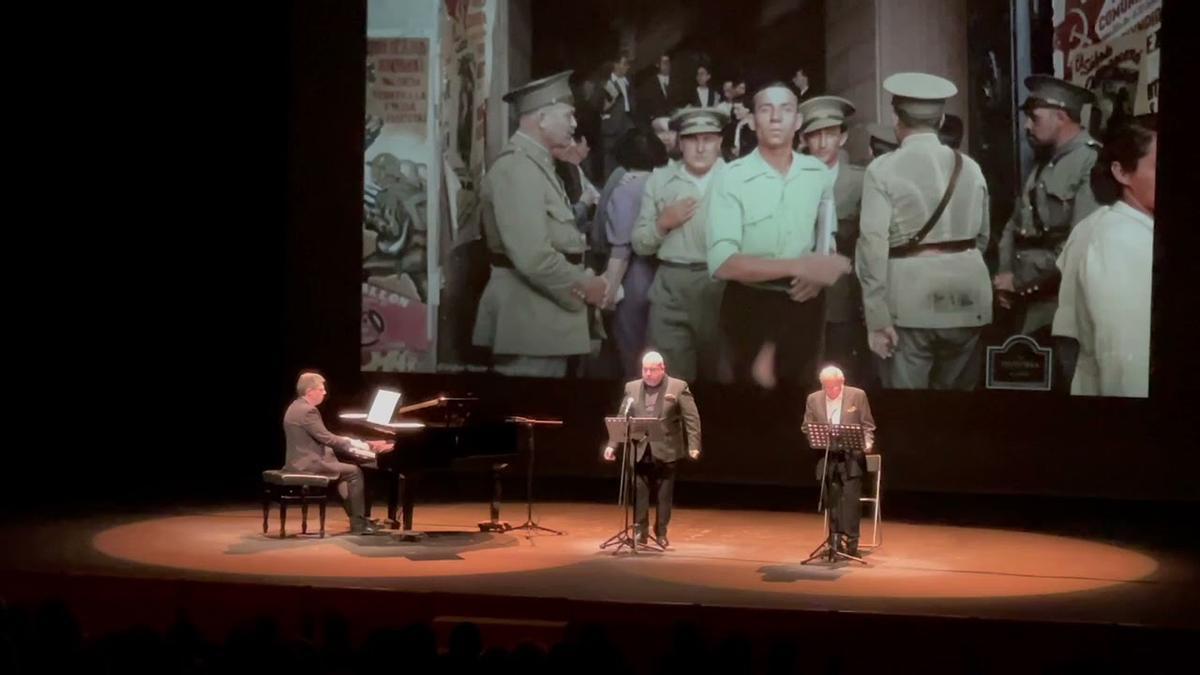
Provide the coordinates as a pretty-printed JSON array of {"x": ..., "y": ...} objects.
[
  {"x": 838, "y": 404},
  {"x": 310, "y": 449},
  {"x": 670, "y": 400}
]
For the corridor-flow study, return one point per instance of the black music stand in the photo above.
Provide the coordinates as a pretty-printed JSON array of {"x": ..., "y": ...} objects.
[
  {"x": 835, "y": 439},
  {"x": 629, "y": 428},
  {"x": 530, "y": 525}
]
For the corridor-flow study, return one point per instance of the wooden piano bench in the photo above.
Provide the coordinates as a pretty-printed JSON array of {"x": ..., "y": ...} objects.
[{"x": 285, "y": 488}]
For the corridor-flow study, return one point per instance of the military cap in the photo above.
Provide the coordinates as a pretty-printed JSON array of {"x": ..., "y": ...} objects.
[
  {"x": 919, "y": 94},
  {"x": 1051, "y": 92},
  {"x": 822, "y": 112},
  {"x": 541, "y": 93},
  {"x": 694, "y": 120}
]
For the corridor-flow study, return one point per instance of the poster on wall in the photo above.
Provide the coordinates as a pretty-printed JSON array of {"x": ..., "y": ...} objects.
[
  {"x": 466, "y": 68},
  {"x": 395, "y": 279},
  {"x": 1111, "y": 48},
  {"x": 465, "y": 55}
]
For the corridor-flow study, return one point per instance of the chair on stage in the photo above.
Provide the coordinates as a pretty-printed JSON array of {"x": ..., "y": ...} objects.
[
  {"x": 874, "y": 466},
  {"x": 285, "y": 488}
]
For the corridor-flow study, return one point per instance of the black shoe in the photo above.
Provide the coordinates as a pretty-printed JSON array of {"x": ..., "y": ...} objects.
[
  {"x": 663, "y": 542},
  {"x": 642, "y": 538},
  {"x": 364, "y": 527},
  {"x": 851, "y": 547}
]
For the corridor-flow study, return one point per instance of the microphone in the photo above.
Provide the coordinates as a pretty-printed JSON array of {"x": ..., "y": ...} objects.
[{"x": 626, "y": 406}]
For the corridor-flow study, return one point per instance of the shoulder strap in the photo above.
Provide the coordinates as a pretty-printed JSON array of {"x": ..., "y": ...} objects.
[{"x": 941, "y": 207}]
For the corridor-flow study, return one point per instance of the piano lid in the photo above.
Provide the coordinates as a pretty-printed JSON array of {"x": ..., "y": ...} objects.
[{"x": 440, "y": 401}]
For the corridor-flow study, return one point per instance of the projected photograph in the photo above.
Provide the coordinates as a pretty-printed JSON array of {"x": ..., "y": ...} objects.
[{"x": 741, "y": 193}]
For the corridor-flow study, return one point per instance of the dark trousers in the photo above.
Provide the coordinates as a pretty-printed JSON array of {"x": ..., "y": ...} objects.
[
  {"x": 751, "y": 317},
  {"x": 651, "y": 474},
  {"x": 350, "y": 489},
  {"x": 841, "y": 497}
]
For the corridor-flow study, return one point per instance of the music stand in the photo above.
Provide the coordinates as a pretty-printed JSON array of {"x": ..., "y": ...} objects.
[
  {"x": 629, "y": 428},
  {"x": 832, "y": 438},
  {"x": 530, "y": 525}
]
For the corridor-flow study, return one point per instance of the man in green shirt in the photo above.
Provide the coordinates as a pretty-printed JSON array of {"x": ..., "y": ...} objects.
[{"x": 771, "y": 221}]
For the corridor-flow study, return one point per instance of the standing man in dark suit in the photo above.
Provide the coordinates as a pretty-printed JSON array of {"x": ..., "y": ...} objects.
[
  {"x": 617, "y": 109},
  {"x": 670, "y": 400},
  {"x": 657, "y": 95},
  {"x": 310, "y": 449},
  {"x": 838, "y": 404}
]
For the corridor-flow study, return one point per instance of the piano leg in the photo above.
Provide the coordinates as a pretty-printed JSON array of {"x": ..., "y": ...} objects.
[
  {"x": 395, "y": 489},
  {"x": 407, "y": 494},
  {"x": 400, "y": 498}
]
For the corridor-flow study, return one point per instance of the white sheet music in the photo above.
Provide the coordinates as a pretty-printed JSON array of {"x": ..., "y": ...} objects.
[{"x": 383, "y": 406}]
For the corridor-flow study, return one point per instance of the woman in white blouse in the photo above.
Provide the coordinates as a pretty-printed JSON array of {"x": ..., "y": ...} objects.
[{"x": 1104, "y": 299}]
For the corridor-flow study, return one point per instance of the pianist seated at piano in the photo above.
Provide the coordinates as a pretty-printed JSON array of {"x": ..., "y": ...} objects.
[{"x": 311, "y": 448}]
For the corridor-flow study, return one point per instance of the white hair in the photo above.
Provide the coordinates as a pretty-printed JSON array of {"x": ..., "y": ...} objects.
[
  {"x": 832, "y": 373},
  {"x": 652, "y": 359}
]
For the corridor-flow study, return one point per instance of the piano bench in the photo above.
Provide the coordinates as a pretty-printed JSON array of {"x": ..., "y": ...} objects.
[{"x": 284, "y": 487}]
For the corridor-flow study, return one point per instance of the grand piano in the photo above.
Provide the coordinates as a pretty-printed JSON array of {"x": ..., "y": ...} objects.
[{"x": 438, "y": 434}]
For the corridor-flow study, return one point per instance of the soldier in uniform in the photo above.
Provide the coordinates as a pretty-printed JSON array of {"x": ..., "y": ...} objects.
[
  {"x": 1056, "y": 196},
  {"x": 924, "y": 227},
  {"x": 533, "y": 314},
  {"x": 770, "y": 239},
  {"x": 824, "y": 132},
  {"x": 684, "y": 300}
]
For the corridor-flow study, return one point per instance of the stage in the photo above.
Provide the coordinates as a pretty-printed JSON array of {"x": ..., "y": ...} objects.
[{"x": 719, "y": 559}]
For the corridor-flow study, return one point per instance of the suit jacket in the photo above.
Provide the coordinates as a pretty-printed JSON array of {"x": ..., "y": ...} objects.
[
  {"x": 744, "y": 138},
  {"x": 693, "y": 98},
  {"x": 855, "y": 410},
  {"x": 309, "y": 444},
  {"x": 615, "y": 121},
  {"x": 677, "y": 410},
  {"x": 652, "y": 102}
]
